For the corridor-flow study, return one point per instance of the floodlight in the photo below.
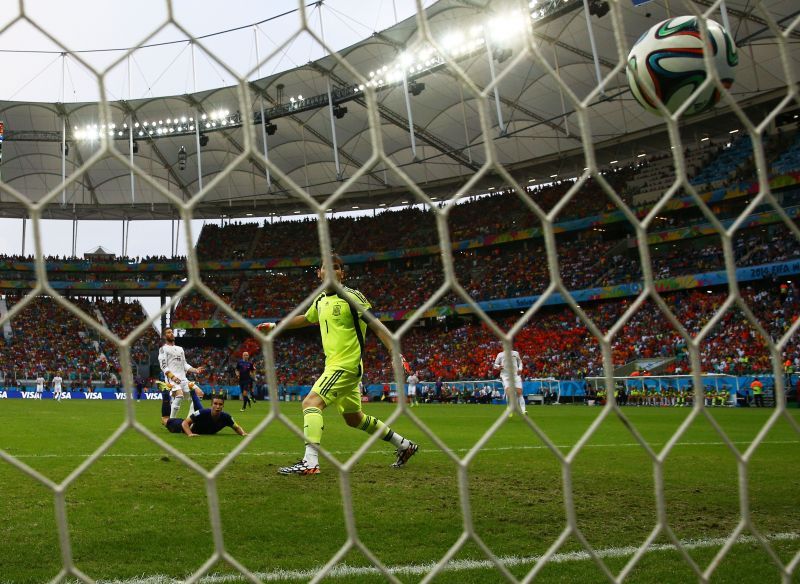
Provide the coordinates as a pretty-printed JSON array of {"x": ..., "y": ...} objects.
[
  {"x": 182, "y": 158},
  {"x": 415, "y": 88}
]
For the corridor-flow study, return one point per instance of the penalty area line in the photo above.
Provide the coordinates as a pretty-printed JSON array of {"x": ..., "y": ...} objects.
[{"x": 344, "y": 570}]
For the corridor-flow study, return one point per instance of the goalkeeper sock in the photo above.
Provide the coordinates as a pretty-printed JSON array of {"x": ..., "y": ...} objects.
[
  {"x": 176, "y": 406},
  {"x": 313, "y": 424},
  {"x": 371, "y": 425},
  {"x": 521, "y": 400}
]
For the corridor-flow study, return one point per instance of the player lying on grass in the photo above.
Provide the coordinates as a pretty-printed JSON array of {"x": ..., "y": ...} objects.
[
  {"x": 343, "y": 325},
  {"x": 172, "y": 361},
  {"x": 202, "y": 421}
]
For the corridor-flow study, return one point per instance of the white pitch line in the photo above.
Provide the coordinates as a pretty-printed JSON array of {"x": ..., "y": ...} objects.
[
  {"x": 432, "y": 450},
  {"x": 343, "y": 570}
]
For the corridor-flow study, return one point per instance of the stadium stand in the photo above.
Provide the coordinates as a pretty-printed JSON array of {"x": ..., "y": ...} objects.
[{"x": 598, "y": 253}]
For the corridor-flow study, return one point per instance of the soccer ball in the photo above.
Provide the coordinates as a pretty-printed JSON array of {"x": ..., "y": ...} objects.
[{"x": 666, "y": 64}]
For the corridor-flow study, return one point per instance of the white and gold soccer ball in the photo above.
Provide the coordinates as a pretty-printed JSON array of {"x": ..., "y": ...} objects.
[{"x": 666, "y": 65}]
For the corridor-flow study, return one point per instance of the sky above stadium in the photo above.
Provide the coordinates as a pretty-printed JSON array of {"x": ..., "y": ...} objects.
[{"x": 254, "y": 37}]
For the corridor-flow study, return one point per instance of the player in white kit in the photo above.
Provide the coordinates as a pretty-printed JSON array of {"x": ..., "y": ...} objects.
[
  {"x": 39, "y": 386},
  {"x": 173, "y": 363},
  {"x": 57, "y": 383},
  {"x": 511, "y": 382},
  {"x": 412, "y": 381}
]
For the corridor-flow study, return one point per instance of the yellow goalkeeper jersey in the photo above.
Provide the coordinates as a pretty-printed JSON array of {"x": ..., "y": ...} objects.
[{"x": 341, "y": 327}]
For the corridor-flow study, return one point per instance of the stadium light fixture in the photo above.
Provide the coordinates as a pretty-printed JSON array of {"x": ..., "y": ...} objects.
[
  {"x": 415, "y": 88},
  {"x": 167, "y": 126},
  {"x": 339, "y": 111},
  {"x": 203, "y": 140},
  {"x": 271, "y": 129},
  {"x": 502, "y": 54},
  {"x": 598, "y": 8},
  {"x": 182, "y": 158}
]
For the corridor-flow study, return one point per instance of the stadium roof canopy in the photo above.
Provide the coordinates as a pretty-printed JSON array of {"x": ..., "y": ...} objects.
[{"x": 533, "y": 125}]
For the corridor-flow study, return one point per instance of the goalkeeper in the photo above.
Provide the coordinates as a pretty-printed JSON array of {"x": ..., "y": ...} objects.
[{"x": 343, "y": 324}]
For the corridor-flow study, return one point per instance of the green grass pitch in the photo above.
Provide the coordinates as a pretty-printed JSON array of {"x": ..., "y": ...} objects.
[{"x": 138, "y": 515}]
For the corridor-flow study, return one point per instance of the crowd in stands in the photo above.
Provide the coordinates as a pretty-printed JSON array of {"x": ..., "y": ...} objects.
[
  {"x": 504, "y": 271},
  {"x": 504, "y": 211},
  {"x": 47, "y": 338},
  {"x": 558, "y": 343},
  {"x": 75, "y": 259},
  {"x": 122, "y": 318}
]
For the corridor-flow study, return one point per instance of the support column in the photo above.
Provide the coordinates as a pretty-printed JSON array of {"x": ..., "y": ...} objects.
[
  {"x": 63, "y": 133},
  {"x": 263, "y": 119},
  {"x": 64, "y": 161},
  {"x": 593, "y": 44},
  {"x": 197, "y": 122},
  {"x": 74, "y": 236},
  {"x": 500, "y": 123},
  {"x": 561, "y": 92},
  {"x": 330, "y": 110},
  {"x": 130, "y": 135},
  {"x": 410, "y": 117},
  {"x": 163, "y": 316},
  {"x": 333, "y": 134},
  {"x": 464, "y": 119}
]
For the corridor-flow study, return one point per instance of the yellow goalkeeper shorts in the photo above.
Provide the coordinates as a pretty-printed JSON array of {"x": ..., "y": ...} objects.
[{"x": 340, "y": 387}]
